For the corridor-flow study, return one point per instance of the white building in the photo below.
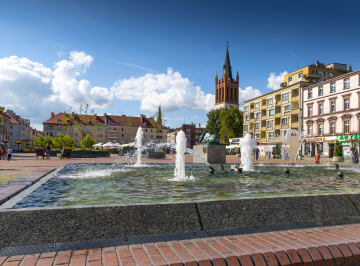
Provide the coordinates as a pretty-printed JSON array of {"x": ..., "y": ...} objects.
[{"x": 331, "y": 111}]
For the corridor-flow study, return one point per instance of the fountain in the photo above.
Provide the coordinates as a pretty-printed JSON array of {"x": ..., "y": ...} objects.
[
  {"x": 179, "y": 171},
  {"x": 138, "y": 145},
  {"x": 292, "y": 141},
  {"x": 247, "y": 145}
]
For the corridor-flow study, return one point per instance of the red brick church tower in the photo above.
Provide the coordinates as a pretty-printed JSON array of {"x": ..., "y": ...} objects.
[{"x": 226, "y": 88}]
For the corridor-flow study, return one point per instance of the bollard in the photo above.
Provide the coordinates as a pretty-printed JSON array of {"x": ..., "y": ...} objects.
[
  {"x": 222, "y": 167},
  {"x": 239, "y": 169},
  {"x": 337, "y": 166}
]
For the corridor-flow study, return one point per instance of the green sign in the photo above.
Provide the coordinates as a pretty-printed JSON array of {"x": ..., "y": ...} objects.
[{"x": 343, "y": 137}]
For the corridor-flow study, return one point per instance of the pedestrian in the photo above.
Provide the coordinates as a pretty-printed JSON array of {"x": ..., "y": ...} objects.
[
  {"x": 48, "y": 149},
  {"x": 317, "y": 158},
  {"x": 257, "y": 153},
  {"x": 274, "y": 152},
  {"x": 354, "y": 153},
  {"x": 9, "y": 151},
  {"x": 1, "y": 153}
]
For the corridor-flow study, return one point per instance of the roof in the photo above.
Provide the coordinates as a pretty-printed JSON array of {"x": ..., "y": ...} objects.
[
  {"x": 12, "y": 119},
  {"x": 61, "y": 119},
  {"x": 227, "y": 66}
]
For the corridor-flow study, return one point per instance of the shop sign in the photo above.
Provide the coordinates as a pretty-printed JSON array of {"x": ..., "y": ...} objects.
[
  {"x": 343, "y": 137},
  {"x": 314, "y": 139}
]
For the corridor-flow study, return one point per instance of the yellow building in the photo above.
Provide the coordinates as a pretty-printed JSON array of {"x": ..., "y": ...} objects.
[{"x": 267, "y": 117}]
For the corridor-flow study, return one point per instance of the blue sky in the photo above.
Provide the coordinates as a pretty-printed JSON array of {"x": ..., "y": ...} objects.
[{"x": 116, "y": 55}]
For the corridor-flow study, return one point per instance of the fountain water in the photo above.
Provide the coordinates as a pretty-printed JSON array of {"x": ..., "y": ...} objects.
[
  {"x": 292, "y": 141},
  {"x": 138, "y": 145},
  {"x": 247, "y": 145},
  {"x": 179, "y": 172}
]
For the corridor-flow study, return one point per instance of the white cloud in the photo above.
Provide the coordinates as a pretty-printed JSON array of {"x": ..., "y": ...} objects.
[
  {"x": 247, "y": 94},
  {"x": 61, "y": 53},
  {"x": 170, "y": 90},
  {"x": 274, "y": 81}
]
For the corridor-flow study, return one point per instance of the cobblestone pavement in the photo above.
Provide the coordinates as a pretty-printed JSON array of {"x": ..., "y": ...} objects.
[{"x": 322, "y": 246}]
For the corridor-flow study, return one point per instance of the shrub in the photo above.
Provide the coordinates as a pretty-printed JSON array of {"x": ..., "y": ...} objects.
[
  {"x": 87, "y": 142},
  {"x": 338, "y": 149}
]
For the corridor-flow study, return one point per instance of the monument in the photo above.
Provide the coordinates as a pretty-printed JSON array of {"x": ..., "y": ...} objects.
[{"x": 210, "y": 148}]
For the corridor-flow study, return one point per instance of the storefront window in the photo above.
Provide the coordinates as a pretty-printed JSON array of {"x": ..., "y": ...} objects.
[
  {"x": 346, "y": 127},
  {"x": 320, "y": 147},
  {"x": 307, "y": 148}
]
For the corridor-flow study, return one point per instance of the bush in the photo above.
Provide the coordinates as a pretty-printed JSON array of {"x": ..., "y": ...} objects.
[
  {"x": 64, "y": 142},
  {"x": 41, "y": 141},
  {"x": 338, "y": 149},
  {"x": 87, "y": 142}
]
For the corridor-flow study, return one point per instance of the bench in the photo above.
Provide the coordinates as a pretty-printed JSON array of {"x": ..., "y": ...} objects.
[
  {"x": 40, "y": 152},
  {"x": 66, "y": 153}
]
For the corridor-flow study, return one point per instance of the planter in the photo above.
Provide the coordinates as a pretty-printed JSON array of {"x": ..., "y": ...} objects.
[
  {"x": 338, "y": 159},
  {"x": 89, "y": 154},
  {"x": 155, "y": 155}
]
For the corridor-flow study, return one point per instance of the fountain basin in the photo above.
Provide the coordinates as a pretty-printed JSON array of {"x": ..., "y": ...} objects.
[{"x": 216, "y": 214}]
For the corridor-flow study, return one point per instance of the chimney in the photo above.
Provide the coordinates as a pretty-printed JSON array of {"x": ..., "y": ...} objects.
[
  {"x": 349, "y": 68},
  {"x": 105, "y": 118},
  {"x": 52, "y": 114}
]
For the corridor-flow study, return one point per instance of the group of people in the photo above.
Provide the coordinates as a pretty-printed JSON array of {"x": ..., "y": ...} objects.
[{"x": 5, "y": 153}]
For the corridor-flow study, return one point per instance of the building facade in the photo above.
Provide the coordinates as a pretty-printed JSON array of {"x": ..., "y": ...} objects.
[
  {"x": 20, "y": 131},
  {"x": 226, "y": 88},
  {"x": 4, "y": 125},
  {"x": 106, "y": 128},
  {"x": 331, "y": 112},
  {"x": 268, "y": 117}
]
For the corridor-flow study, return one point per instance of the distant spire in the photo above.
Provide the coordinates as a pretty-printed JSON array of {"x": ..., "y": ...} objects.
[
  {"x": 216, "y": 77},
  {"x": 227, "y": 65},
  {"x": 237, "y": 75}
]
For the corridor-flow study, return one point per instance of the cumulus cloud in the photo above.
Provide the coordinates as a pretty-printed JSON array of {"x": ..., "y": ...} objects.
[
  {"x": 33, "y": 90},
  {"x": 274, "y": 81},
  {"x": 247, "y": 94},
  {"x": 170, "y": 90}
]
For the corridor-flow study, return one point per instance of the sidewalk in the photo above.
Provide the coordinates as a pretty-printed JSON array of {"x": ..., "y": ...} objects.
[{"x": 335, "y": 245}]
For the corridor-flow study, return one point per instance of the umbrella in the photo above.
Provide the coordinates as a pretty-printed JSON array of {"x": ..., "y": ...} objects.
[
  {"x": 108, "y": 145},
  {"x": 97, "y": 145}
]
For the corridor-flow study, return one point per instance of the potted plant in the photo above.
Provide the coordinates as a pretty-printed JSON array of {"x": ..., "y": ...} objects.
[
  {"x": 238, "y": 154},
  {"x": 18, "y": 143},
  {"x": 338, "y": 153},
  {"x": 6, "y": 141}
]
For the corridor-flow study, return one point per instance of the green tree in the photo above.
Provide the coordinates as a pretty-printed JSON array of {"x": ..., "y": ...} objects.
[
  {"x": 41, "y": 141},
  {"x": 226, "y": 123},
  {"x": 3, "y": 125},
  {"x": 338, "y": 149},
  {"x": 64, "y": 141},
  {"x": 87, "y": 142}
]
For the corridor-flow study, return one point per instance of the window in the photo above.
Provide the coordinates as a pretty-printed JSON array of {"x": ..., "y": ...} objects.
[
  {"x": 310, "y": 111},
  {"x": 269, "y": 123},
  {"x": 287, "y": 108},
  {"x": 332, "y": 128},
  {"x": 258, "y": 115},
  {"x": 272, "y": 112},
  {"x": 58, "y": 134},
  {"x": 76, "y": 135},
  {"x": 346, "y": 127},
  {"x": 321, "y": 130},
  {"x": 300, "y": 76},
  {"x": 324, "y": 74},
  {"x": 49, "y": 127},
  {"x": 247, "y": 118},
  {"x": 309, "y": 129},
  {"x": 320, "y": 109},
  {"x": 346, "y": 104},
  {"x": 83, "y": 135},
  {"x": 309, "y": 93},
  {"x": 315, "y": 72},
  {"x": 151, "y": 136},
  {"x": 269, "y": 101},
  {"x": 271, "y": 135},
  {"x": 145, "y": 136},
  {"x": 321, "y": 90},
  {"x": 59, "y": 120},
  {"x": 284, "y": 121},
  {"x": 347, "y": 83},
  {"x": 245, "y": 127},
  {"x": 59, "y": 127},
  {"x": 256, "y": 125},
  {"x": 100, "y": 129},
  {"x": 285, "y": 96},
  {"x": 145, "y": 130},
  {"x": 332, "y": 106},
  {"x": 123, "y": 135},
  {"x": 257, "y": 105},
  {"x": 122, "y": 129},
  {"x": 290, "y": 79},
  {"x": 130, "y": 136},
  {"x": 333, "y": 87},
  {"x": 246, "y": 108},
  {"x": 331, "y": 75}
]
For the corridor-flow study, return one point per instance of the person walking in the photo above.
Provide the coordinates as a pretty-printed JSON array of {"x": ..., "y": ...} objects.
[
  {"x": 9, "y": 152},
  {"x": 257, "y": 153},
  {"x": 354, "y": 153},
  {"x": 48, "y": 149},
  {"x": 317, "y": 158}
]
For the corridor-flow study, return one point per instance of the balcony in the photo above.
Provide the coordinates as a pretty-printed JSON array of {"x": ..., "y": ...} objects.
[
  {"x": 112, "y": 130},
  {"x": 112, "y": 137},
  {"x": 312, "y": 75},
  {"x": 277, "y": 127},
  {"x": 252, "y": 110},
  {"x": 294, "y": 111},
  {"x": 284, "y": 126},
  {"x": 263, "y": 128},
  {"x": 263, "y": 139},
  {"x": 263, "y": 117},
  {"x": 263, "y": 107},
  {"x": 277, "y": 115},
  {"x": 252, "y": 120},
  {"x": 295, "y": 98},
  {"x": 295, "y": 124},
  {"x": 284, "y": 84}
]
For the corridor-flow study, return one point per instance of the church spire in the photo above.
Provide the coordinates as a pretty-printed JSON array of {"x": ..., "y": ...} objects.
[{"x": 227, "y": 65}]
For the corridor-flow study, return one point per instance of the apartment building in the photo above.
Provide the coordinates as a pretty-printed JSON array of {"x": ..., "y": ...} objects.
[
  {"x": 267, "y": 117},
  {"x": 4, "y": 124},
  {"x": 20, "y": 130},
  {"x": 106, "y": 128},
  {"x": 331, "y": 112}
]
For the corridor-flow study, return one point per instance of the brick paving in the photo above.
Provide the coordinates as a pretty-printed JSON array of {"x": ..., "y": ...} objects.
[{"x": 335, "y": 245}]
